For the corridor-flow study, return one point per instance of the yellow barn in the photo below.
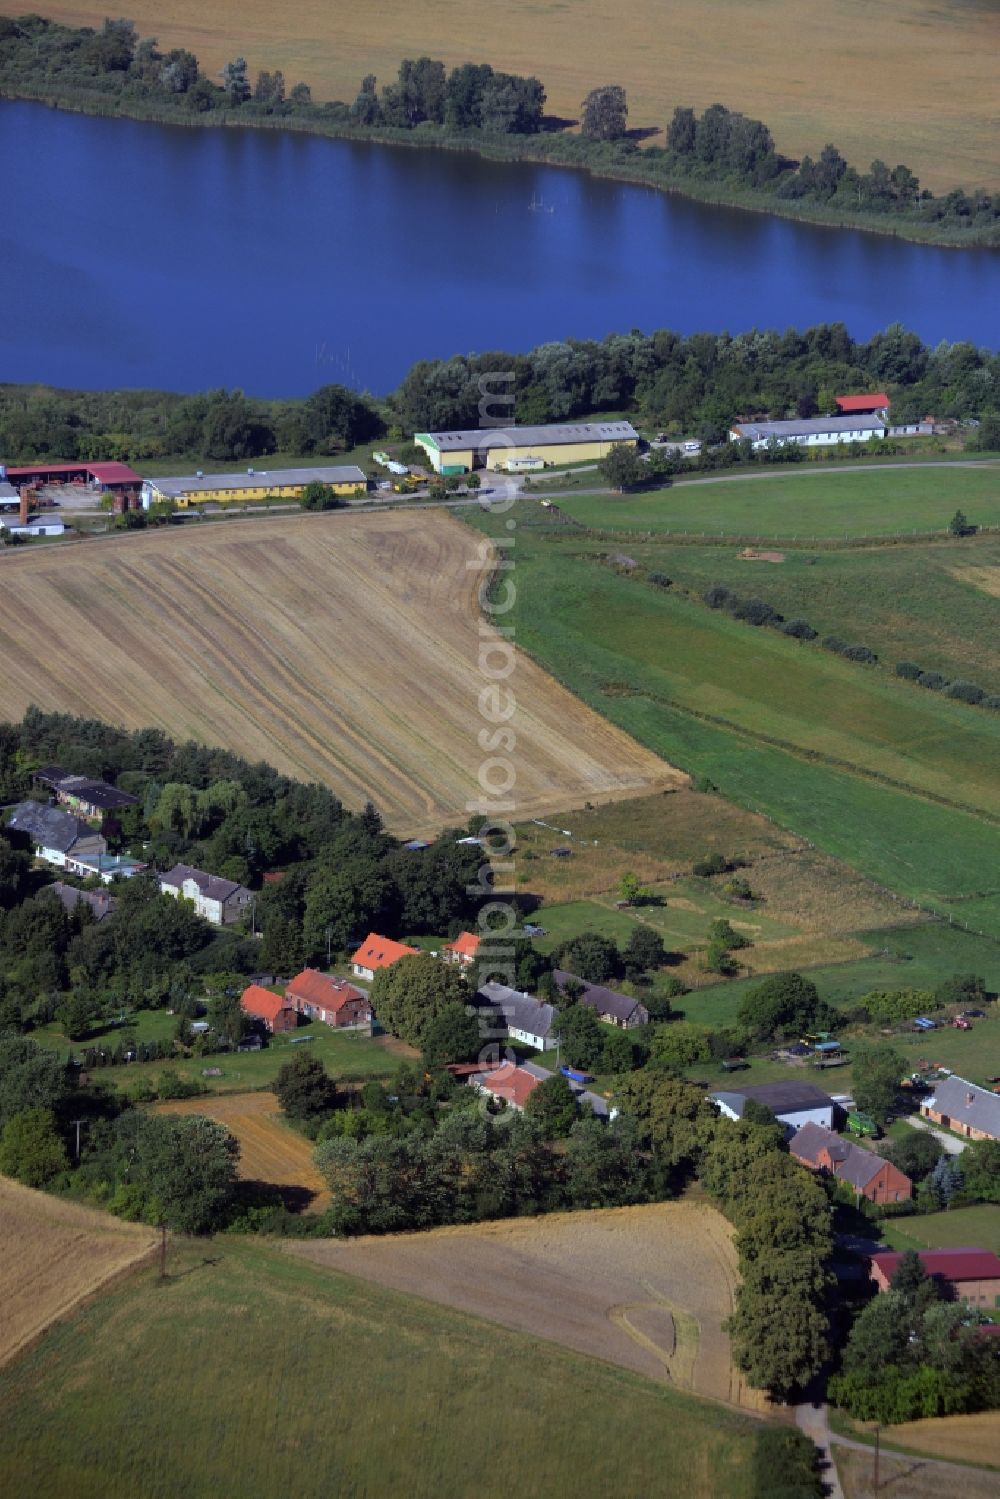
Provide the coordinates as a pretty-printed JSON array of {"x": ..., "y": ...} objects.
[
  {"x": 254, "y": 484},
  {"x": 521, "y": 449}
]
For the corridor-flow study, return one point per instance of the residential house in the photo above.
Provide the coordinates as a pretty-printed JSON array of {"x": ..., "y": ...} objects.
[
  {"x": 515, "y": 1082},
  {"x": 82, "y": 794},
  {"x": 973, "y": 1274},
  {"x": 463, "y": 950},
  {"x": 528, "y": 1020},
  {"x": 57, "y": 837},
  {"x": 99, "y": 901},
  {"x": 272, "y": 1010},
  {"x": 376, "y": 953},
  {"x": 865, "y": 1172},
  {"x": 611, "y": 1007},
  {"x": 318, "y": 996},
  {"x": 793, "y": 1103},
  {"x": 219, "y": 901},
  {"x": 965, "y": 1108}
]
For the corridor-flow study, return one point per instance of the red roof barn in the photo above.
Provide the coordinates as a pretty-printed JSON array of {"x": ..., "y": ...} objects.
[
  {"x": 271, "y": 1009},
  {"x": 974, "y": 1273},
  {"x": 877, "y": 403},
  {"x": 334, "y": 1001}
]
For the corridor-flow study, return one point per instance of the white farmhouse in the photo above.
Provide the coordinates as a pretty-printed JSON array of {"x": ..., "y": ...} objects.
[
  {"x": 528, "y": 1020},
  {"x": 219, "y": 901}
]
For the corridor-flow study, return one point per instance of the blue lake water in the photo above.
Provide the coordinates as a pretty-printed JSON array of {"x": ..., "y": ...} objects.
[{"x": 143, "y": 255}]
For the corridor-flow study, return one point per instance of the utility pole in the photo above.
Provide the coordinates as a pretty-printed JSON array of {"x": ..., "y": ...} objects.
[
  {"x": 329, "y": 934},
  {"x": 875, "y": 1476},
  {"x": 163, "y": 1251},
  {"x": 77, "y": 1123}
]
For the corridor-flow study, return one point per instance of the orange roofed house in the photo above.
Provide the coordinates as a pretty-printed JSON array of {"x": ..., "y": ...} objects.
[
  {"x": 271, "y": 1009},
  {"x": 378, "y": 952},
  {"x": 463, "y": 951},
  {"x": 334, "y": 1001}
]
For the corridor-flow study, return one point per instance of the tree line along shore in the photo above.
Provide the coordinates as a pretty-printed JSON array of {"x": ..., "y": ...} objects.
[{"x": 720, "y": 156}]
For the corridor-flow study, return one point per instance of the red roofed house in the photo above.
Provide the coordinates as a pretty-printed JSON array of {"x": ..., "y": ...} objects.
[
  {"x": 317, "y": 996},
  {"x": 974, "y": 1273},
  {"x": 875, "y": 404},
  {"x": 511, "y": 1083},
  {"x": 274, "y": 1011},
  {"x": 463, "y": 950},
  {"x": 867, "y": 1173},
  {"x": 378, "y": 952}
]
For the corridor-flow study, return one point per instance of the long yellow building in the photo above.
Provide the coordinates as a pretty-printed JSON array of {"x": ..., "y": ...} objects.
[
  {"x": 523, "y": 448},
  {"x": 254, "y": 484}
]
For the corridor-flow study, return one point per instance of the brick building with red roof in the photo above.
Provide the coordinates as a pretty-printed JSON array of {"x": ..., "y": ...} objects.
[
  {"x": 874, "y": 404},
  {"x": 272, "y": 1010},
  {"x": 318, "y": 996},
  {"x": 974, "y": 1273}
]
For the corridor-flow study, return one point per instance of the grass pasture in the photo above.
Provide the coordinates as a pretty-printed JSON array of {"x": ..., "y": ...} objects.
[
  {"x": 976, "y": 1227},
  {"x": 54, "y": 1255},
  {"x": 257, "y": 1373},
  {"x": 271, "y": 1151},
  {"x": 804, "y": 504},
  {"x": 913, "y": 84},
  {"x": 342, "y": 649},
  {"x": 897, "y": 782}
]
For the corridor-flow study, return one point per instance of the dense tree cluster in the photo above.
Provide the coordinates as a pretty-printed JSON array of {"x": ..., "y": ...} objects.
[{"x": 470, "y": 97}]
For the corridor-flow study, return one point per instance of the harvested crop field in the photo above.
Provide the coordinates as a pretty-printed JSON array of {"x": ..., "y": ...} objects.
[
  {"x": 644, "y": 1287},
  {"x": 270, "y": 1151},
  {"x": 342, "y": 649},
  {"x": 967, "y": 1439},
  {"x": 53, "y": 1255},
  {"x": 910, "y": 81}
]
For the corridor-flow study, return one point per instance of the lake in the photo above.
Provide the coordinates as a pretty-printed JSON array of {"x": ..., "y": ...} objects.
[{"x": 144, "y": 255}]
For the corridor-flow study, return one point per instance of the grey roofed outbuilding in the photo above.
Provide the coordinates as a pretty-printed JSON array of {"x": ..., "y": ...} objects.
[
  {"x": 99, "y": 901},
  {"x": 810, "y": 426},
  {"x": 522, "y": 1012},
  {"x": 95, "y": 793},
  {"x": 483, "y": 439},
  {"x": 605, "y": 1001},
  {"x": 50, "y": 827},
  {"x": 780, "y": 1098},
  {"x": 261, "y": 478},
  {"x": 966, "y": 1103}
]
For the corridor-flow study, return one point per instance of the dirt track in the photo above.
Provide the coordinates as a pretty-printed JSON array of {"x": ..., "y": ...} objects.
[
  {"x": 643, "y": 1287},
  {"x": 343, "y": 649}
]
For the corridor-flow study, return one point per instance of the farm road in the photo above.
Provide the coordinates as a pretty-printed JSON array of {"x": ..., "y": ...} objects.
[{"x": 951, "y": 1143}]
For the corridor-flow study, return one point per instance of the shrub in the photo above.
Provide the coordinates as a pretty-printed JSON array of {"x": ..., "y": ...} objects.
[
  {"x": 714, "y": 864},
  {"x": 909, "y": 671},
  {"x": 932, "y": 680},
  {"x": 660, "y": 580},
  {"x": 993, "y": 701},
  {"x": 756, "y": 612},
  {"x": 718, "y": 597},
  {"x": 965, "y": 692},
  {"x": 718, "y": 959},
  {"x": 799, "y": 629},
  {"x": 859, "y": 653}
]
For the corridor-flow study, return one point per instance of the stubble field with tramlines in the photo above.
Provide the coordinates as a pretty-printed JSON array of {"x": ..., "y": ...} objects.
[{"x": 342, "y": 649}]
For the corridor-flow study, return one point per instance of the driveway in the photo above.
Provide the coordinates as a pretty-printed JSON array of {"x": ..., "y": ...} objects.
[{"x": 951, "y": 1143}]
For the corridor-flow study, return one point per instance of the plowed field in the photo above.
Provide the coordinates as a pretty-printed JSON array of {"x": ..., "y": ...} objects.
[
  {"x": 342, "y": 649},
  {"x": 270, "y": 1151},
  {"x": 54, "y": 1254},
  {"x": 645, "y": 1287}
]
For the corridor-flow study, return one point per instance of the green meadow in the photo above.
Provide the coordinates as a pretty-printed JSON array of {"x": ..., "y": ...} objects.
[
  {"x": 803, "y": 504},
  {"x": 896, "y": 781},
  {"x": 248, "y": 1372}
]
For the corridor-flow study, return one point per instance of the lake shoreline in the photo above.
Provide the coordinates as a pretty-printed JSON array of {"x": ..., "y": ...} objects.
[{"x": 564, "y": 151}]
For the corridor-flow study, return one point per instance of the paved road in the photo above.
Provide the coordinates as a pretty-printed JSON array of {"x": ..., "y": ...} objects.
[
  {"x": 811, "y": 1419},
  {"x": 951, "y": 1143}
]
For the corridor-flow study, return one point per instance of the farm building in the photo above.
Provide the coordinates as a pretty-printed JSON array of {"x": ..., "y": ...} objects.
[
  {"x": 333, "y": 1001},
  {"x": 793, "y": 1103},
  {"x": 270, "y": 1009},
  {"x": 58, "y": 838},
  {"x": 875, "y": 403},
  {"x": 81, "y": 794},
  {"x": 378, "y": 952},
  {"x": 462, "y": 952},
  {"x": 868, "y": 1174},
  {"x": 611, "y": 1007},
  {"x": 219, "y": 901},
  {"x": 527, "y": 1019},
  {"x": 512, "y": 448},
  {"x": 254, "y": 484},
  {"x": 515, "y": 1083},
  {"x": 812, "y": 432},
  {"x": 33, "y": 525},
  {"x": 964, "y": 1107},
  {"x": 100, "y": 903},
  {"x": 974, "y": 1273},
  {"x": 108, "y": 478}
]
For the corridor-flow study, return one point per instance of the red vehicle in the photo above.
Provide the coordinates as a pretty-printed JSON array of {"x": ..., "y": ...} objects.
[{"x": 961, "y": 1024}]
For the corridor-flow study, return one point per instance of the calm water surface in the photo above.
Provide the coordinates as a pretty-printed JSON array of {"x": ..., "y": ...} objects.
[{"x": 142, "y": 255}]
